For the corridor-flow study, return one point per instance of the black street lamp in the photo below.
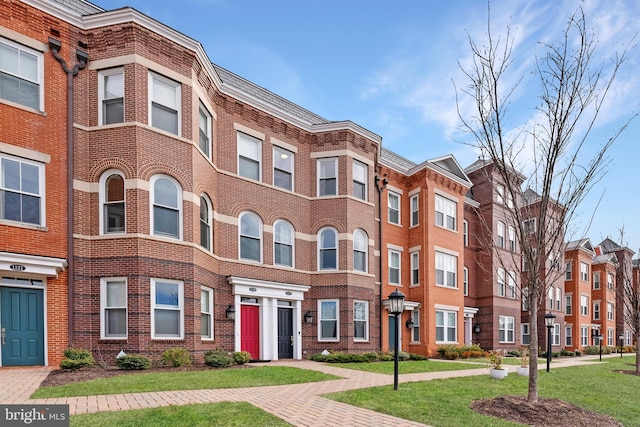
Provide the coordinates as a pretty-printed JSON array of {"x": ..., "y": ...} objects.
[
  {"x": 396, "y": 307},
  {"x": 600, "y": 337},
  {"x": 621, "y": 344},
  {"x": 549, "y": 319}
]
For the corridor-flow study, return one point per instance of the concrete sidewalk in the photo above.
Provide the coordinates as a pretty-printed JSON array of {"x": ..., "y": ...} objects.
[{"x": 298, "y": 404}]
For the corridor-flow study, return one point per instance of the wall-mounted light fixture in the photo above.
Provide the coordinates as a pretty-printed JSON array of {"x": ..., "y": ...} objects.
[
  {"x": 231, "y": 312},
  {"x": 409, "y": 323},
  {"x": 476, "y": 328},
  {"x": 308, "y": 317}
]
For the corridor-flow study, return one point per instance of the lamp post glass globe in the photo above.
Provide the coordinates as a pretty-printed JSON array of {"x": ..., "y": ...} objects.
[{"x": 549, "y": 319}]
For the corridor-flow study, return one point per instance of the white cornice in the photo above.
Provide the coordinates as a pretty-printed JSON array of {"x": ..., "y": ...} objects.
[{"x": 31, "y": 264}]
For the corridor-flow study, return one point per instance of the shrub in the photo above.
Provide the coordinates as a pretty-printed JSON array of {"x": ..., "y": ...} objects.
[
  {"x": 451, "y": 355},
  {"x": 133, "y": 362},
  {"x": 176, "y": 357},
  {"x": 385, "y": 357},
  {"x": 578, "y": 352},
  {"x": 75, "y": 358},
  {"x": 371, "y": 356},
  {"x": 591, "y": 349},
  {"x": 414, "y": 356},
  {"x": 513, "y": 353},
  {"x": 217, "y": 359},
  {"x": 241, "y": 357}
]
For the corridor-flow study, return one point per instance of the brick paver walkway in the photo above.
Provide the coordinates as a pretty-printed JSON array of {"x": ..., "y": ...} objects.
[{"x": 298, "y": 404}]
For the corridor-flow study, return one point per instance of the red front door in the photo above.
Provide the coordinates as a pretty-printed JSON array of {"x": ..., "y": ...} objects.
[{"x": 250, "y": 330}]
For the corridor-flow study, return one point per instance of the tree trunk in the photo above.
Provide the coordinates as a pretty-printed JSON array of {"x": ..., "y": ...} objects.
[{"x": 532, "y": 393}]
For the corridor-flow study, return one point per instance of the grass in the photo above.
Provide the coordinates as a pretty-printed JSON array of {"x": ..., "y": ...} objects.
[
  {"x": 187, "y": 380},
  {"x": 444, "y": 403},
  {"x": 209, "y": 414},
  {"x": 413, "y": 366}
]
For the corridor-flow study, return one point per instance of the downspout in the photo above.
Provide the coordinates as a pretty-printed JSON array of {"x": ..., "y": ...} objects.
[
  {"x": 82, "y": 57},
  {"x": 381, "y": 184}
]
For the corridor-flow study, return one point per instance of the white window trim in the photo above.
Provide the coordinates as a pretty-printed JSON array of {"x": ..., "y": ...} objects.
[
  {"x": 208, "y": 130},
  {"x": 178, "y": 88},
  {"x": 525, "y": 327},
  {"x": 260, "y": 237},
  {"x": 210, "y": 313},
  {"x": 320, "y": 338},
  {"x": 413, "y": 198},
  {"x": 389, "y": 255},
  {"x": 415, "y": 317},
  {"x": 103, "y": 308},
  {"x": 455, "y": 271},
  {"x": 414, "y": 259},
  {"x": 207, "y": 200},
  {"x": 337, "y": 248},
  {"x": 293, "y": 243},
  {"x": 250, "y": 138},
  {"x": 503, "y": 320},
  {"x": 318, "y": 177},
  {"x": 41, "y": 192},
  {"x": 40, "y": 65},
  {"x": 366, "y": 249},
  {"x": 366, "y": 178},
  {"x": 180, "y": 308},
  {"x": 366, "y": 320},
  {"x": 102, "y": 198},
  {"x": 446, "y": 326},
  {"x": 446, "y": 199},
  {"x": 293, "y": 167},
  {"x": 568, "y": 335},
  {"x": 396, "y": 195},
  {"x": 599, "y": 283},
  {"x": 101, "y": 75},
  {"x": 180, "y": 201}
]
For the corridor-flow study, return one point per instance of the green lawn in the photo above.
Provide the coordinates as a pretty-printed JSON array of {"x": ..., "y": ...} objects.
[
  {"x": 444, "y": 403},
  {"x": 413, "y": 366},
  {"x": 210, "y": 414},
  {"x": 186, "y": 380}
]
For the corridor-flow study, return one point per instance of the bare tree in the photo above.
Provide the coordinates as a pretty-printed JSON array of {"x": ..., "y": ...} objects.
[{"x": 572, "y": 94}]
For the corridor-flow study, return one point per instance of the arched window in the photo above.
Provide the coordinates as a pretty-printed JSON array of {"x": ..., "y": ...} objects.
[
  {"x": 283, "y": 239},
  {"x": 250, "y": 237},
  {"x": 205, "y": 222},
  {"x": 166, "y": 206},
  {"x": 112, "y": 200},
  {"x": 360, "y": 245},
  {"x": 328, "y": 249}
]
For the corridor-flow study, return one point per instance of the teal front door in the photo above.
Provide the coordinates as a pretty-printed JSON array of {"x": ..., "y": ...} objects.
[{"x": 22, "y": 326}]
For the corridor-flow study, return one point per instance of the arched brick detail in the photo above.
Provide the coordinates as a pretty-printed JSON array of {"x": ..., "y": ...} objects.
[
  {"x": 148, "y": 170},
  {"x": 244, "y": 207},
  {"x": 329, "y": 222},
  {"x": 115, "y": 163},
  {"x": 274, "y": 216}
]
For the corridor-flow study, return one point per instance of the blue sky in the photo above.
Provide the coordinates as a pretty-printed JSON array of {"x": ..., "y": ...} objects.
[{"x": 390, "y": 68}]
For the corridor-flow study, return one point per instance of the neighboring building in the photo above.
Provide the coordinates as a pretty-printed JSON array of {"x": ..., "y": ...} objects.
[
  {"x": 582, "y": 314},
  {"x": 603, "y": 294},
  {"x": 423, "y": 251}
]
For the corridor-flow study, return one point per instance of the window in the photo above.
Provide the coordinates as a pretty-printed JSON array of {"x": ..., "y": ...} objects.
[
  {"x": 359, "y": 180},
  {"x": 166, "y": 207},
  {"x": 415, "y": 268},
  {"x": 596, "y": 311},
  {"x": 465, "y": 280},
  {"x": 609, "y": 311},
  {"x": 393, "y": 205},
  {"x": 596, "y": 280},
  {"x": 360, "y": 321},
  {"x": 327, "y": 177},
  {"x": 394, "y": 267},
  {"x": 283, "y": 168},
  {"x": 206, "y": 313},
  {"x": 627, "y": 337},
  {"x": 584, "y": 336},
  {"x": 609, "y": 281},
  {"x": 360, "y": 246},
  {"x": 21, "y": 191},
  {"x": 328, "y": 323},
  {"x": 446, "y": 326},
  {"x": 500, "y": 241},
  {"x": 501, "y": 282},
  {"x": 584, "y": 271},
  {"x": 568, "y": 340},
  {"x": 21, "y": 75},
  {"x": 112, "y": 197},
  {"x": 526, "y": 334},
  {"x": 512, "y": 284},
  {"x": 567, "y": 270},
  {"x": 568, "y": 305},
  {"x": 584, "y": 305},
  {"x": 446, "y": 212},
  {"x": 558, "y": 298},
  {"x": 550, "y": 298},
  {"x": 113, "y": 307},
  {"x": 167, "y": 309},
  {"x": 506, "y": 329},
  {"x": 529, "y": 226},
  {"x": 283, "y": 238},
  {"x": 525, "y": 299},
  {"x": 465, "y": 232},
  {"x": 250, "y": 237},
  {"x": 414, "y": 210},
  {"x": 164, "y": 103},
  {"x": 510, "y": 200},
  {"x": 111, "y": 96},
  {"x": 512, "y": 238},
  {"x": 500, "y": 193},
  {"x": 204, "y": 131},
  {"x": 415, "y": 332},
  {"x": 555, "y": 334},
  {"x": 205, "y": 222},
  {"x": 610, "y": 337},
  {"x": 446, "y": 267},
  {"x": 249, "y": 156},
  {"x": 328, "y": 249}
]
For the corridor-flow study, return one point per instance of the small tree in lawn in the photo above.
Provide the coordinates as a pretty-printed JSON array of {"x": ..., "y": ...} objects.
[{"x": 553, "y": 146}]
